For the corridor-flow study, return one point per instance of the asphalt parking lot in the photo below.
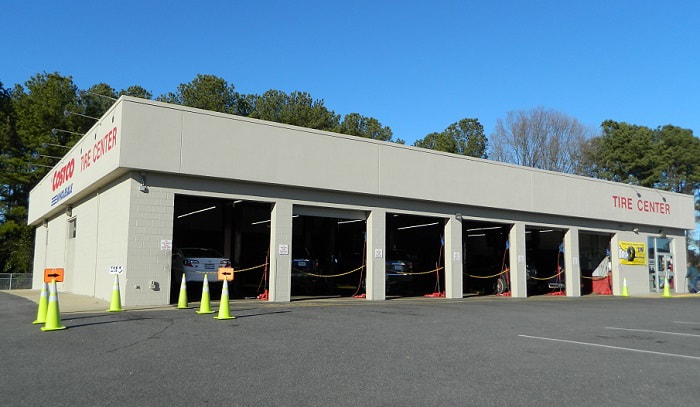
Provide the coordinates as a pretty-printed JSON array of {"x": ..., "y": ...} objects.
[{"x": 484, "y": 351}]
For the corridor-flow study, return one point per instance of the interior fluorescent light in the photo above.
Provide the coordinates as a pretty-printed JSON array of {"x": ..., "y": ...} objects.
[
  {"x": 486, "y": 228},
  {"x": 418, "y": 226},
  {"x": 477, "y": 235},
  {"x": 342, "y": 222},
  {"x": 260, "y": 222},
  {"x": 199, "y": 211}
]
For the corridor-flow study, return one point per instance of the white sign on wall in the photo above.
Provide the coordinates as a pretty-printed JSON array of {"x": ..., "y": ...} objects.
[
  {"x": 455, "y": 256},
  {"x": 166, "y": 245},
  {"x": 378, "y": 253},
  {"x": 284, "y": 249},
  {"x": 116, "y": 269}
]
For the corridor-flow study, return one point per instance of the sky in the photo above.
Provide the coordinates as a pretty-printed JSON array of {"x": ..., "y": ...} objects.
[{"x": 416, "y": 66}]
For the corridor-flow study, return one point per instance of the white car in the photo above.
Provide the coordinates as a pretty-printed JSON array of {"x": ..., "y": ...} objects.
[{"x": 197, "y": 262}]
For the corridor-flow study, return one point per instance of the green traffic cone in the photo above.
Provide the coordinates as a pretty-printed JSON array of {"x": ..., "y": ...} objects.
[
  {"x": 224, "y": 312},
  {"x": 625, "y": 293},
  {"x": 205, "y": 306},
  {"x": 53, "y": 314},
  {"x": 667, "y": 289},
  {"x": 182, "y": 300},
  {"x": 116, "y": 304},
  {"x": 43, "y": 305}
]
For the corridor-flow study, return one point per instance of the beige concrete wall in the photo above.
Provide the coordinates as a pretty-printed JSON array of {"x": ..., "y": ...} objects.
[
  {"x": 41, "y": 234},
  {"x": 159, "y": 137},
  {"x": 150, "y": 221},
  {"x": 112, "y": 237},
  {"x": 195, "y": 142},
  {"x": 81, "y": 259}
]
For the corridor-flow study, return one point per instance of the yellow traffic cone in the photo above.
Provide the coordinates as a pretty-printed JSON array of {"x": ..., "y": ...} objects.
[
  {"x": 182, "y": 300},
  {"x": 667, "y": 289},
  {"x": 43, "y": 305},
  {"x": 224, "y": 312},
  {"x": 625, "y": 293},
  {"x": 116, "y": 304},
  {"x": 53, "y": 314},
  {"x": 204, "y": 305}
]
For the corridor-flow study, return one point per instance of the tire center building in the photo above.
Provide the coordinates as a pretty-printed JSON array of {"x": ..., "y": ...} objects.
[{"x": 151, "y": 176}]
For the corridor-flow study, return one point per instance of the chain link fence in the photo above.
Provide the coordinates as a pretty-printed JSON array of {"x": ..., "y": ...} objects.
[{"x": 15, "y": 281}]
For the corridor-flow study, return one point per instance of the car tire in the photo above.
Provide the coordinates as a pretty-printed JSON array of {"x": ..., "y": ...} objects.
[{"x": 501, "y": 285}]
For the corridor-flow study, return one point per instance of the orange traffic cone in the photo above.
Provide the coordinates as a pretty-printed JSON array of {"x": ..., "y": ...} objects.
[
  {"x": 224, "y": 312},
  {"x": 43, "y": 305},
  {"x": 205, "y": 304},
  {"x": 53, "y": 314}
]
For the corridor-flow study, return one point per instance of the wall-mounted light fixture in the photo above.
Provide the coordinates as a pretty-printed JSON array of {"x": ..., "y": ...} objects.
[
  {"x": 49, "y": 156},
  {"x": 67, "y": 113},
  {"x": 458, "y": 216},
  {"x": 54, "y": 132},
  {"x": 44, "y": 145},
  {"x": 69, "y": 211},
  {"x": 663, "y": 198},
  {"x": 143, "y": 187},
  {"x": 82, "y": 93},
  {"x": 635, "y": 230},
  {"x": 636, "y": 192}
]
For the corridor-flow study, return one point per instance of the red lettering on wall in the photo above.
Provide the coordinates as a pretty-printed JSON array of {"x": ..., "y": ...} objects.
[
  {"x": 641, "y": 205},
  {"x": 63, "y": 174},
  {"x": 622, "y": 202},
  {"x": 85, "y": 160},
  {"x": 99, "y": 149}
]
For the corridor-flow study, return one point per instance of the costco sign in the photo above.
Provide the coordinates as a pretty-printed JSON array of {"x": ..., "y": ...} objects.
[{"x": 63, "y": 175}]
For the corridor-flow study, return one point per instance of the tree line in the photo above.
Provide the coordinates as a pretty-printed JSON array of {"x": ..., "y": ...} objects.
[{"x": 42, "y": 118}]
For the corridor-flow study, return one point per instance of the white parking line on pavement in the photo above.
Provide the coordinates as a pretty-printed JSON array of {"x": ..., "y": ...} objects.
[
  {"x": 684, "y": 322},
  {"x": 651, "y": 331},
  {"x": 611, "y": 347}
]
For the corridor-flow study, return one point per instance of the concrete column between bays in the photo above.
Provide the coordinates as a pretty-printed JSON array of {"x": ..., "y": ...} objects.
[
  {"x": 376, "y": 253},
  {"x": 518, "y": 261},
  {"x": 281, "y": 252},
  {"x": 572, "y": 268},
  {"x": 680, "y": 263},
  {"x": 616, "y": 266},
  {"x": 453, "y": 258}
]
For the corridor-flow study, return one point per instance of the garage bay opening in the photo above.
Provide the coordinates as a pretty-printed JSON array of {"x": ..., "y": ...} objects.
[
  {"x": 209, "y": 233},
  {"x": 596, "y": 269},
  {"x": 485, "y": 257},
  {"x": 328, "y": 256},
  {"x": 545, "y": 261},
  {"x": 414, "y": 258}
]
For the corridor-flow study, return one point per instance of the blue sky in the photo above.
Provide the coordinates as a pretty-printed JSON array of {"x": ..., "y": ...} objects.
[{"x": 417, "y": 66}]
